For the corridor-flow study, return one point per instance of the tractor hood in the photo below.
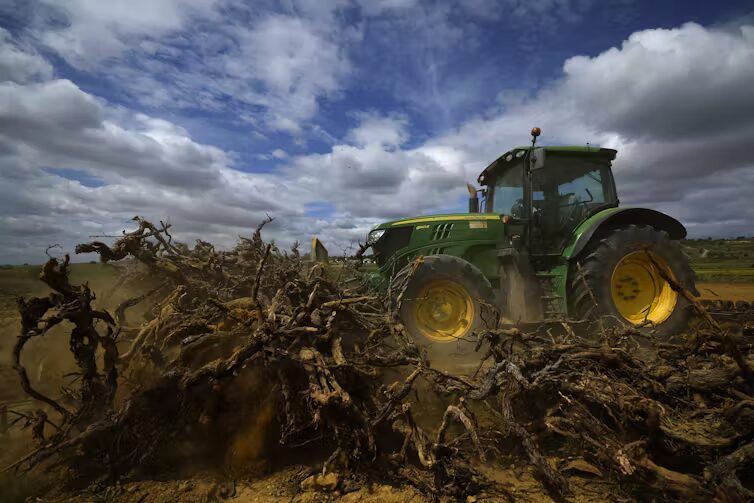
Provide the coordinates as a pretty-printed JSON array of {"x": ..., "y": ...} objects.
[
  {"x": 442, "y": 217},
  {"x": 432, "y": 234},
  {"x": 425, "y": 221}
]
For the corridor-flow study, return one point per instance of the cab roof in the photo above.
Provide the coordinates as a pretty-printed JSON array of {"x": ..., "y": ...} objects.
[{"x": 606, "y": 154}]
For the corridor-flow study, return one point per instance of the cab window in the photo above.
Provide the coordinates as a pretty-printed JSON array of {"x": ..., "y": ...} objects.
[
  {"x": 508, "y": 196},
  {"x": 586, "y": 189}
]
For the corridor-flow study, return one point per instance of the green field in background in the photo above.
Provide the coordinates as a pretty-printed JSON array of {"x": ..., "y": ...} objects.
[
  {"x": 23, "y": 280},
  {"x": 721, "y": 259}
]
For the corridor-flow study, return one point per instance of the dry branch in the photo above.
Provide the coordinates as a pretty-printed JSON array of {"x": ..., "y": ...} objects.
[{"x": 230, "y": 326}]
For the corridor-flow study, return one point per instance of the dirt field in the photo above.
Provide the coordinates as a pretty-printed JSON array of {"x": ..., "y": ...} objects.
[
  {"x": 727, "y": 291},
  {"x": 298, "y": 477},
  {"x": 48, "y": 359},
  {"x": 287, "y": 485},
  {"x": 23, "y": 281}
]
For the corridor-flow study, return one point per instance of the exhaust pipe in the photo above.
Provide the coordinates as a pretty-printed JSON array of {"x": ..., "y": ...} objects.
[{"x": 473, "y": 199}]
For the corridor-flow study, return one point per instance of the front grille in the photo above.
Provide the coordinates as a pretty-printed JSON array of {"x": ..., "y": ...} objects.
[{"x": 390, "y": 242}]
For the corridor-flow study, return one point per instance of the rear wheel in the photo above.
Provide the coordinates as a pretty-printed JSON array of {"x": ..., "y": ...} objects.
[
  {"x": 443, "y": 303},
  {"x": 621, "y": 277}
]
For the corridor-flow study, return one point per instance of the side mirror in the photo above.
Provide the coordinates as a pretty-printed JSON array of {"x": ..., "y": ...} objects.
[{"x": 473, "y": 199}]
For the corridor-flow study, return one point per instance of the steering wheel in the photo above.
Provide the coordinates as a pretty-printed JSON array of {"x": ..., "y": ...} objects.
[{"x": 575, "y": 208}]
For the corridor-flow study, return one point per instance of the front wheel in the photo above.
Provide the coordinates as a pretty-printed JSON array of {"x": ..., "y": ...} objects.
[
  {"x": 444, "y": 300},
  {"x": 621, "y": 277}
]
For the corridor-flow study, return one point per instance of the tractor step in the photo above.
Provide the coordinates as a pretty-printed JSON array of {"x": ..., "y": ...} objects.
[{"x": 554, "y": 304}]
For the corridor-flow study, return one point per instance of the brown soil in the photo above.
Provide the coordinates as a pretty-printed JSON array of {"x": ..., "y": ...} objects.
[
  {"x": 293, "y": 484},
  {"x": 727, "y": 291},
  {"x": 280, "y": 486}
]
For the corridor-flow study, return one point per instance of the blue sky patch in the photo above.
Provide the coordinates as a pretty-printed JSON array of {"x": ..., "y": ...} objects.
[
  {"x": 320, "y": 209},
  {"x": 77, "y": 175}
]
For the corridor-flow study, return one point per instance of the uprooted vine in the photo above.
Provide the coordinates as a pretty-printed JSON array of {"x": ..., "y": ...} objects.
[{"x": 255, "y": 351}]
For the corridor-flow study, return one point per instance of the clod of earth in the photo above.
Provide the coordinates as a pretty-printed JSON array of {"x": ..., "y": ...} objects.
[{"x": 254, "y": 359}]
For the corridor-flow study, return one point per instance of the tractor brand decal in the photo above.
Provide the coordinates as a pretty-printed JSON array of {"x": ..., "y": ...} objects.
[
  {"x": 419, "y": 227},
  {"x": 478, "y": 225}
]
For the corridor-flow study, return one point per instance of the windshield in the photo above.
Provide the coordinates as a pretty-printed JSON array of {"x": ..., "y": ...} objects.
[{"x": 508, "y": 196}]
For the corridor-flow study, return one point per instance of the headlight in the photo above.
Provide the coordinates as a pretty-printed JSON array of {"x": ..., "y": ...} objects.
[{"x": 374, "y": 236}]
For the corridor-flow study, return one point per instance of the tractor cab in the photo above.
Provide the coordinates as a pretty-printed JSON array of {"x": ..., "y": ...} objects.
[
  {"x": 544, "y": 194},
  {"x": 548, "y": 191}
]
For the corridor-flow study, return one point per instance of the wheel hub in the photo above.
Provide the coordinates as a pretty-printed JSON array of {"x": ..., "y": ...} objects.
[
  {"x": 639, "y": 291},
  {"x": 444, "y": 310}
]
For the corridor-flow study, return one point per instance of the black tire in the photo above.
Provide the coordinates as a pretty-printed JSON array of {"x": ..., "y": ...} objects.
[
  {"x": 592, "y": 271},
  {"x": 459, "y": 352}
]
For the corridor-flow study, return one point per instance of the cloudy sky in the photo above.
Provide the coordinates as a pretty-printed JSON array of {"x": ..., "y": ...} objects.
[{"x": 333, "y": 115}]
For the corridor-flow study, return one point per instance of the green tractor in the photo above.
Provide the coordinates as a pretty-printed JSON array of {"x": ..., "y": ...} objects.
[{"x": 547, "y": 242}]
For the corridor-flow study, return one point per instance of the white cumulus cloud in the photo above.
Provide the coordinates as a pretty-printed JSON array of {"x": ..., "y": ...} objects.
[{"x": 677, "y": 103}]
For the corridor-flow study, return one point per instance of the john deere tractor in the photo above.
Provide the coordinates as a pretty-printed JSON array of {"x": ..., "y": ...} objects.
[{"x": 546, "y": 240}]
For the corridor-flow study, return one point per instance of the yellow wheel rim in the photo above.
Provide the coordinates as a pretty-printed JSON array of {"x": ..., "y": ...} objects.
[
  {"x": 638, "y": 290},
  {"x": 443, "y": 311}
]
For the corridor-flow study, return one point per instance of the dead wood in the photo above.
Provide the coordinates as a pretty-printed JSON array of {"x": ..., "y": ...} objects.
[{"x": 342, "y": 379}]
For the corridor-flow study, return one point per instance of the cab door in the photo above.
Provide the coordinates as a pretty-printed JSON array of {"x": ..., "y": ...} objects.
[{"x": 565, "y": 194}]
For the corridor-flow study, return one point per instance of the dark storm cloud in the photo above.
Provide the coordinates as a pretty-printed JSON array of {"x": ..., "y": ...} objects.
[
  {"x": 685, "y": 160},
  {"x": 686, "y": 83}
]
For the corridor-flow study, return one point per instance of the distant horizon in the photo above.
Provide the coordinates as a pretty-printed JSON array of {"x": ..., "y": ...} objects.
[{"x": 304, "y": 252}]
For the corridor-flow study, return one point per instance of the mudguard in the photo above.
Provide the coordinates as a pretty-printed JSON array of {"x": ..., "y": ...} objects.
[{"x": 619, "y": 217}]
